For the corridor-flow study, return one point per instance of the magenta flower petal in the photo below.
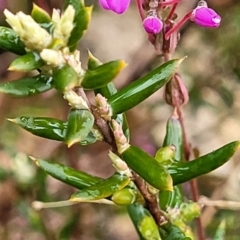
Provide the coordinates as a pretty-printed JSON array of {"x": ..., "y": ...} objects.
[
  {"x": 152, "y": 24},
  {"x": 205, "y": 17},
  {"x": 104, "y": 4},
  {"x": 118, "y": 6}
]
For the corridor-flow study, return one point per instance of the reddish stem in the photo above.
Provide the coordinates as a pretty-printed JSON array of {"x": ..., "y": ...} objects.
[
  {"x": 170, "y": 2},
  {"x": 169, "y": 17},
  {"x": 178, "y": 25},
  {"x": 140, "y": 9}
]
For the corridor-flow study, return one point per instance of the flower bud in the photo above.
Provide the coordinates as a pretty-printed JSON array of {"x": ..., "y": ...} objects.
[
  {"x": 117, "y": 6},
  {"x": 152, "y": 24},
  {"x": 126, "y": 196},
  {"x": 204, "y": 16},
  {"x": 30, "y": 32}
]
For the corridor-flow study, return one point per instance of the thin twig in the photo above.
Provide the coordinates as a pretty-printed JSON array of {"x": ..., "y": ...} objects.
[{"x": 230, "y": 205}]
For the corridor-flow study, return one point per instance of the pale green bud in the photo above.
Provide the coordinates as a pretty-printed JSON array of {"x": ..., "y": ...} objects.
[
  {"x": 53, "y": 57},
  {"x": 121, "y": 140},
  {"x": 119, "y": 164},
  {"x": 126, "y": 196},
  {"x": 64, "y": 24},
  {"x": 30, "y": 32},
  {"x": 103, "y": 107},
  {"x": 75, "y": 100}
]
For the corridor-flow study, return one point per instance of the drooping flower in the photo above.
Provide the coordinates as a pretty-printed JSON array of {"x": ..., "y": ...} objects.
[
  {"x": 117, "y": 6},
  {"x": 204, "y": 16},
  {"x": 152, "y": 24}
]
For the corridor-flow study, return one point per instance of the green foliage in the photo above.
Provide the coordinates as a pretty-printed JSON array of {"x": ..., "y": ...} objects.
[
  {"x": 71, "y": 176},
  {"x": 27, "y": 86},
  {"x": 139, "y": 90},
  {"x": 149, "y": 186},
  {"x": 10, "y": 41},
  {"x": 185, "y": 171}
]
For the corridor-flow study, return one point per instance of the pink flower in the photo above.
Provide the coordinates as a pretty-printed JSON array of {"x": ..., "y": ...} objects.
[
  {"x": 117, "y": 6},
  {"x": 205, "y": 17},
  {"x": 152, "y": 24}
]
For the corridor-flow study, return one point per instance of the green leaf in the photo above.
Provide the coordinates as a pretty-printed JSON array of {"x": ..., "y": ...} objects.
[
  {"x": 174, "y": 137},
  {"x": 50, "y": 128},
  {"x": 102, "y": 189},
  {"x": 27, "y": 62},
  {"x": 106, "y": 91},
  {"x": 42, "y": 18},
  {"x": 148, "y": 168},
  {"x": 171, "y": 199},
  {"x": 184, "y": 171},
  {"x": 68, "y": 175},
  {"x": 140, "y": 217},
  {"x": 173, "y": 233},
  {"x": 40, "y": 15},
  {"x": 80, "y": 124},
  {"x": 65, "y": 78},
  {"x": 81, "y": 21},
  {"x": 148, "y": 228},
  {"x": 27, "y": 86},
  {"x": 141, "y": 89},
  {"x": 10, "y": 41},
  {"x": 93, "y": 62},
  {"x": 102, "y": 75}
]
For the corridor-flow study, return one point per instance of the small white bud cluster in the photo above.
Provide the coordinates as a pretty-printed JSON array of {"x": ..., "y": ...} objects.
[
  {"x": 75, "y": 100},
  {"x": 63, "y": 25},
  {"x": 51, "y": 47},
  {"x": 119, "y": 164},
  {"x": 103, "y": 107},
  {"x": 121, "y": 140},
  {"x": 31, "y": 33}
]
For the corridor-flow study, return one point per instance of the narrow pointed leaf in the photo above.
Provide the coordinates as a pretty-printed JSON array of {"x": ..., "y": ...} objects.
[
  {"x": 81, "y": 21},
  {"x": 141, "y": 89},
  {"x": 148, "y": 168},
  {"x": 80, "y": 123},
  {"x": 102, "y": 189},
  {"x": 27, "y": 86},
  {"x": 42, "y": 18},
  {"x": 50, "y": 128},
  {"x": 40, "y": 15},
  {"x": 27, "y": 62},
  {"x": 184, "y": 171},
  {"x": 68, "y": 175},
  {"x": 102, "y": 75},
  {"x": 93, "y": 62}
]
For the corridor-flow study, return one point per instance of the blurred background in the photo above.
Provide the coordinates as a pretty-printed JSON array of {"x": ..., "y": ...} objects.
[{"x": 212, "y": 118}]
